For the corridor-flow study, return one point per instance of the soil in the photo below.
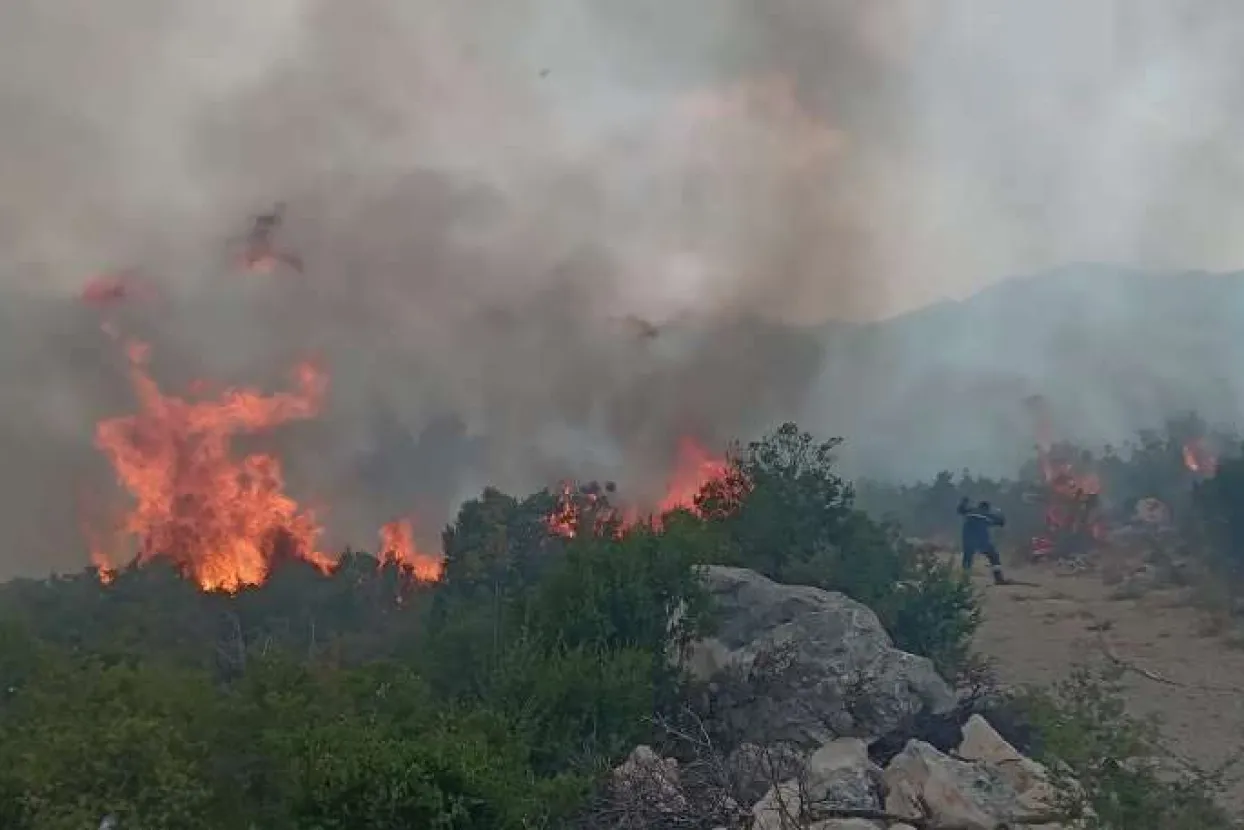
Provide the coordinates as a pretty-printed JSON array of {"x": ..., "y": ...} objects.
[{"x": 1190, "y": 679}]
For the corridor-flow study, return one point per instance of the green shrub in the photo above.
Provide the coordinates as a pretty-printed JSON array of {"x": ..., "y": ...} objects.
[
  {"x": 935, "y": 612},
  {"x": 1219, "y": 519},
  {"x": 790, "y": 516},
  {"x": 457, "y": 775},
  {"x": 80, "y": 739},
  {"x": 1116, "y": 764}
]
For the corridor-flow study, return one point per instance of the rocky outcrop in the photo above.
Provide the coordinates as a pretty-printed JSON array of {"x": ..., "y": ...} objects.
[
  {"x": 798, "y": 665},
  {"x": 988, "y": 785},
  {"x": 833, "y": 729},
  {"x": 985, "y": 785}
]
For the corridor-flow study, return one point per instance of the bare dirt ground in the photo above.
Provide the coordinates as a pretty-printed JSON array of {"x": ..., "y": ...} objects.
[{"x": 1191, "y": 680}]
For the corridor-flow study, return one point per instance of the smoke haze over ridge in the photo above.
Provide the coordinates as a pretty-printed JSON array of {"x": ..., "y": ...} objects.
[{"x": 482, "y": 191}]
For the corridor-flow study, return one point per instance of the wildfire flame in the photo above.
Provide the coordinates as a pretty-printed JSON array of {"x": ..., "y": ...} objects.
[
  {"x": 397, "y": 544},
  {"x": 1071, "y": 495},
  {"x": 694, "y": 467},
  {"x": 223, "y": 520},
  {"x": 573, "y": 505},
  {"x": 226, "y": 521},
  {"x": 1198, "y": 458}
]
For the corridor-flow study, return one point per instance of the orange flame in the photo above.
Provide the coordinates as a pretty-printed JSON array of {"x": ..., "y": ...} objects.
[
  {"x": 224, "y": 521},
  {"x": 397, "y": 544},
  {"x": 694, "y": 467},
  {"x": 1072, "y": 494},
  {"x": 573, "y": 502},
  {"x": 103, "y": 568},
  {"x": 1198, "y": 458}
]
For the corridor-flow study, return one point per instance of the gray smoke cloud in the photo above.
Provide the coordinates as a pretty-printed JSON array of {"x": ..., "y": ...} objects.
[{"x": 483, "y": 193}]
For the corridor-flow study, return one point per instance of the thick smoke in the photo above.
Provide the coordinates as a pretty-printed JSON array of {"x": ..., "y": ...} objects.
[{"x": 483, "y": 194}]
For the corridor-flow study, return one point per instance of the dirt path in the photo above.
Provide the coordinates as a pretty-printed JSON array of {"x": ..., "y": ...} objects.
[{"x": 1036, "y": 635}]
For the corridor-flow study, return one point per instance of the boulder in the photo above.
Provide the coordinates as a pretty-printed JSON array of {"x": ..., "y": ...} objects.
[
  {"x": 780, "y": 809},
  {"x": 792, "y": 664},
  {"x": 754, "y": 769},
  {"x": 838, "y": 775},
  {"x": 1030, "y": 779},
  {"x": 924, "y": 784}
]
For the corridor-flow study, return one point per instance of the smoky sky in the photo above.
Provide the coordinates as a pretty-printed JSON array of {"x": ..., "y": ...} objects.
[{"x": 484, "y": 192}]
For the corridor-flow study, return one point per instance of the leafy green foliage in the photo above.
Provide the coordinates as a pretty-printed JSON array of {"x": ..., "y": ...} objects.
[
  {"x": 1114, "y": 764},
  {"x": 935, "y": 612},
  {"x": 493, "y": 699},
  {"x": 789, "y": 515},
  {"x": 81, "y": 738},
  {"x": 357, "y": 699}
]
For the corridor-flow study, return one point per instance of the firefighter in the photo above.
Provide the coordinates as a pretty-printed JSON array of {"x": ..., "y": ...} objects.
[{"x": 977, "y": 523}]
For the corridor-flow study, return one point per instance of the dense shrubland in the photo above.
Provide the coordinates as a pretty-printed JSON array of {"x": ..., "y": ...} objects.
[{"x": 491, "y": 700}]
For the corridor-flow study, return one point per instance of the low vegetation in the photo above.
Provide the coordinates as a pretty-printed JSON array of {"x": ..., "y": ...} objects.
[
  {"x": 493, "y": 699},
  {"x": 1113, "y": 769}
]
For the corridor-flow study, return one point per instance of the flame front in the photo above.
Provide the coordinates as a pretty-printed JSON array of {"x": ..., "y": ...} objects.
[
  {"x": 397, "y": 544},
  {"x": 1071, "y": 495},
  {"x": 223, "y": 520},
  {"x": 1073, "y": 499},
  {"x": 694, "y": 467}
]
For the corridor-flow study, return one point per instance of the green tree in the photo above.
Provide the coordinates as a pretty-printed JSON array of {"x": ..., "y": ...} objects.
[
  {"x": 1219, "y": 519},
  {"x": 81, "y": 738},
  {"x": 790, "y": 516}
]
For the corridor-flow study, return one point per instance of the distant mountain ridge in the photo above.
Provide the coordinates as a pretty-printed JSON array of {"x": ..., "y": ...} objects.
[{"x": 1111, "y": 349}]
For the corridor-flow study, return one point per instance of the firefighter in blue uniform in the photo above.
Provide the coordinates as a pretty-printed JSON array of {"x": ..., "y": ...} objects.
[{"x": 977, "y": 523}]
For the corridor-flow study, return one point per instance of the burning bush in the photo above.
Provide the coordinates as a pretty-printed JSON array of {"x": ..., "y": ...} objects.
[
  {"x": 350, "y": 694},
  {"x": 1066, "y": 499}
]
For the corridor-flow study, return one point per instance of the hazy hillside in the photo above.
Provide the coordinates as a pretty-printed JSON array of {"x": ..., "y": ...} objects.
[{"x": 1111, "y": 349}]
